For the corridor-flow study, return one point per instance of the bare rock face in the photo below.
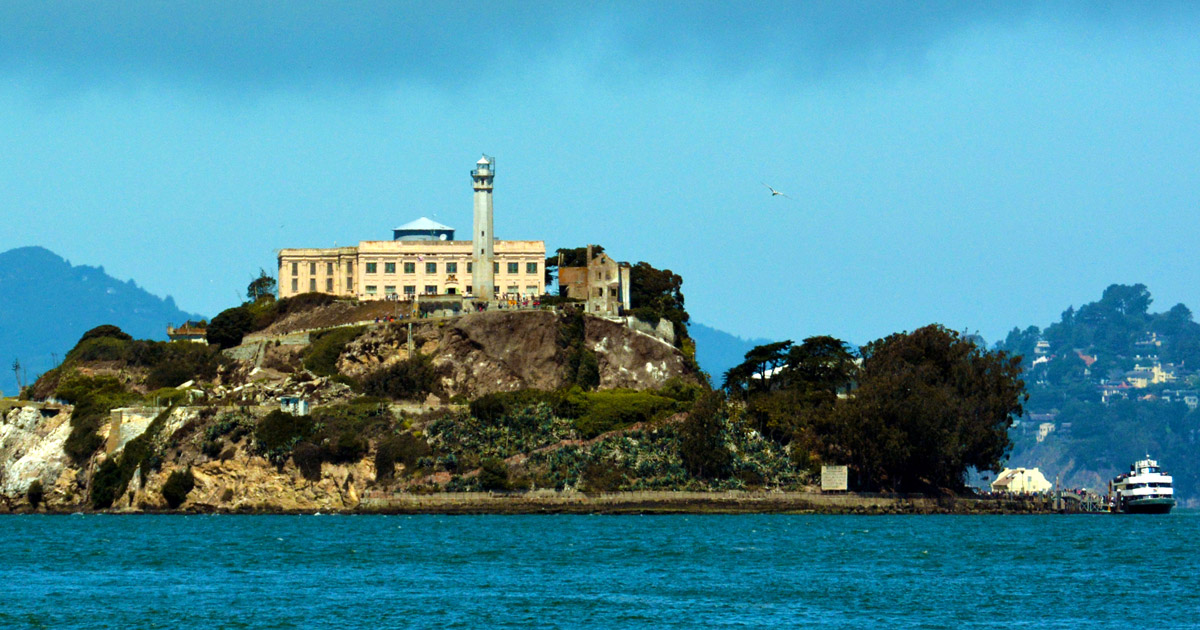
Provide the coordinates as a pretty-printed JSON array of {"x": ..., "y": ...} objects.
[
  {"x": 631, "y": 359},
  {"x": 493, "y": 352},
  {"x": 482, "y": 353},
  {"x": 248, "y": 482},
  {"x": 31, "y": 448}
]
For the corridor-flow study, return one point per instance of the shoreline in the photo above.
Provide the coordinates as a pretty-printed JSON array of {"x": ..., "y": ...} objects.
[{"x": 635, "y": 503}]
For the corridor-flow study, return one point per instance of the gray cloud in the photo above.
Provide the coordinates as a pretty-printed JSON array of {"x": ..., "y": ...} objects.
[{"x": 304, "y": 44}]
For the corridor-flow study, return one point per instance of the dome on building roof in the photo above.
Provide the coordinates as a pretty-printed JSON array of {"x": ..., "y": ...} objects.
[
  {"x": 484, "y": 160},
  {"x": 424, "y": 224}
]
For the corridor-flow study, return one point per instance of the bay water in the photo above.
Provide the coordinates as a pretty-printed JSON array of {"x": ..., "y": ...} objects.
[{"x": 711, "y": 571}]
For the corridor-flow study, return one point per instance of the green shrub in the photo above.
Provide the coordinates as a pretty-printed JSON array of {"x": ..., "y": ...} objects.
[
  {"x": 280, "y": 431},
  {"x": 703, "y": 443},
  {"x": 168, "y": 375},
  {"x": 263, "y": 313},
  {"x": 168, "y": 396},
  {"x": 227, "y": 329},
  {"x": 346, "y": 447},
  {"x": 211, "y": 448},
  {"x": 493, "y": 474},
  {"x": 93, "y": 398},
  {"x": 646, "y": 314},
  {"x": 105, "y": 331},
  {"x": 308, "y": 459},
  {"x": 682, "y": 390},
  {"x": 411, "y": 379},
  {"x": 106, "y": 484},
  {"x": 405, "y": 448},
  {"x": 603, "y": 476},
  {"x": 100, "y": 349},
  {"x": 349, "y": 381},
  {"x": 114, "y": 474},
  {"x": 326, "y": 346},
  {"x": 495, "y": 406},
  {"x": 588, "y": 376},
  {"x": 177, "y": 487},
  {"x": 35, "y": 493}
]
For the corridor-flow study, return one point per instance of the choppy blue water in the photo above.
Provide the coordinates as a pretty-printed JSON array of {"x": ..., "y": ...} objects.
[{"x": 598, "y": 571}]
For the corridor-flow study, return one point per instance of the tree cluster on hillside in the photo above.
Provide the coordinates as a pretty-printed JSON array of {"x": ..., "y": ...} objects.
[
  {"x": 923, "y": 408},
  {"x": 163, "y": 366},
  {"x": 1111, "y": 329},
  {"x": 227, "y": 329}
]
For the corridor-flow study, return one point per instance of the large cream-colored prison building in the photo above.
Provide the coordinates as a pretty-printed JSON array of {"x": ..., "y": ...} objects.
[
  {"x": 423, "y": 258},
  {"x": 376, "y": 269}
]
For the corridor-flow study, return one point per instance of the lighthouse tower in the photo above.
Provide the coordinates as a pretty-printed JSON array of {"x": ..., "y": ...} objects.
[{"x": 482, "y": 237}]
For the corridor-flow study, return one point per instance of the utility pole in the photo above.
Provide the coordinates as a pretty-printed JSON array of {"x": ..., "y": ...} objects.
[{"x": 16, "y": 367}]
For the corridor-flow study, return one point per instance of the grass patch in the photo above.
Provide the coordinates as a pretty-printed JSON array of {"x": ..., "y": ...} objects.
[
  {"x": 326, "y": 346},
  {"x": 610, "y": 410}
]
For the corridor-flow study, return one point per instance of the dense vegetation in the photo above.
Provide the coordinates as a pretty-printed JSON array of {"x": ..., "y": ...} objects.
[
  {"x": 411, "y": 379},
  {"x": 924, "y": 408},
  {"x": 164, "y": 365},
  {"x": 326, "y": 346}
]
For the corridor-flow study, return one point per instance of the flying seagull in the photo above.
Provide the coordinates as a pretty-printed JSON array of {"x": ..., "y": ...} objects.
[{"x": 775, "y": 192}]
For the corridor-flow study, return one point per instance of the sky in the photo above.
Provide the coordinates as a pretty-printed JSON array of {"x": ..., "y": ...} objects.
[{"x": 978, "y": 165}]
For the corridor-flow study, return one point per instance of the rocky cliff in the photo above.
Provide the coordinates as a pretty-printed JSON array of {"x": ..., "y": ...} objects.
[
  {"x": 482, "y": 353},
  {"x": 236, "y": 479},
  {"x": 211, "y": 434}
]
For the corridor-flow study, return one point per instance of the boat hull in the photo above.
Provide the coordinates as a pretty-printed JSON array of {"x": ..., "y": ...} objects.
[{"x": 1148, "y": 506}]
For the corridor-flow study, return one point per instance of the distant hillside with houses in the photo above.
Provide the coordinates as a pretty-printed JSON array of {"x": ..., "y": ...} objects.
[{"x": 1109, "y": 383}]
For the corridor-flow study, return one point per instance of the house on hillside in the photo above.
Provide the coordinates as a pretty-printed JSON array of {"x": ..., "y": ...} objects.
[
  {"x": 1111, "y": 390},
  {"x": 196, "y": 332},
  {"x": 1143, "y": 376},
  {"x": 1188, "y": 397}
]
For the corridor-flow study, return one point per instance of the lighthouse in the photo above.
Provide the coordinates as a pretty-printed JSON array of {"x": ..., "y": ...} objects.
[{"x": 483, "y": 238}]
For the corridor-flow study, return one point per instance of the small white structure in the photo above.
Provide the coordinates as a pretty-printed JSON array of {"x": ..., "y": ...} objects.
[
  {"x": 294, "y": 405},
  {"x": 1021, "y": 481}
]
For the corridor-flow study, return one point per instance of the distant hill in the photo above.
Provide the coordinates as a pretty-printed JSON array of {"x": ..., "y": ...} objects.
[
  {"x": 717, "y": 350},
  {"x": 1109, "y": 383},
  {"x": 49, "y": 304}
]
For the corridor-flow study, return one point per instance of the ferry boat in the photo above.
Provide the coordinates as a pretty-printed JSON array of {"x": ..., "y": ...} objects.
[{"x": 1145, "y": 489}]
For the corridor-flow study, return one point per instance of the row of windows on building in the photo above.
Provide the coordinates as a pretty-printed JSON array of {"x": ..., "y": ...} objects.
[
  {"x": 409, "y": 267},
  {"x": 312, "y": 284},
  {"x": 432, "y": 289},
  {"x": 451, "y": 267},
  {"x": 409, "y": 290},
  {"x": 312, "y": 268}
]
